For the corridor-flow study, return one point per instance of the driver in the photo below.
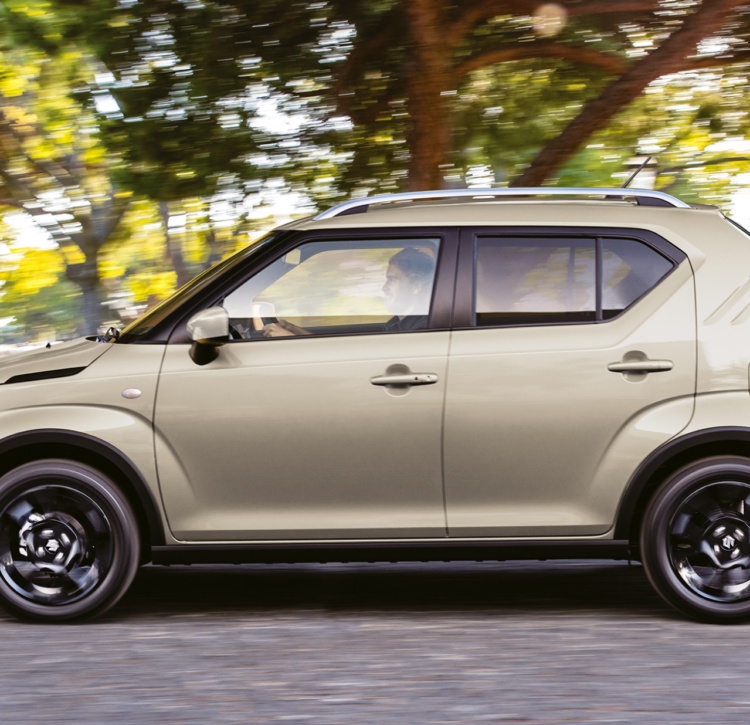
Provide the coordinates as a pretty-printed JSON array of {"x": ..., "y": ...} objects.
[{"x": 407, "y": 289}]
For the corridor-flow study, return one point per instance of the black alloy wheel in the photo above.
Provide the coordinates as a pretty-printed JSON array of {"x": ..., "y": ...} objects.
[
  {"x": 69, "y": 545},
  {"x": 695, "y": 539}
]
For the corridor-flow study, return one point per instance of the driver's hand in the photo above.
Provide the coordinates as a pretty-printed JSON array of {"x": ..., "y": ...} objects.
[{"x": 282, "y": 328}]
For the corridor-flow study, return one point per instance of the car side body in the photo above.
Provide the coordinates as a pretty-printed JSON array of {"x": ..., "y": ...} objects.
[{"x": 563, "y": 423}]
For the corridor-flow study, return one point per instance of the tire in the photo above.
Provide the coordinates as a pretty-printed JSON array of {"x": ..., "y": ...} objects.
[
  {"x": 69, "y": 544},
  {"x": 695, "y": 540}
]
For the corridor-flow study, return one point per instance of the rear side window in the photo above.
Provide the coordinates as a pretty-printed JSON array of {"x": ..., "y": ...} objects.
[
  {"x": 535, "y": 280},
  {"x": 629, "y": 270},
  {"x": 549, "y": 280}
]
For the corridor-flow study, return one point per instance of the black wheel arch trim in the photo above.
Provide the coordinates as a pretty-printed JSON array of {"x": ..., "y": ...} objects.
[
  {"x": 101, "y": 449},
  {"x": 675, "y": 449}
]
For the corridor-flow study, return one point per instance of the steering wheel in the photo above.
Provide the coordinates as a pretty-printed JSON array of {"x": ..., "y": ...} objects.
[{"x": 262, "y": 314}]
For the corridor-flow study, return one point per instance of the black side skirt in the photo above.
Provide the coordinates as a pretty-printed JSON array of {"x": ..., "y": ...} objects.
[{"x": 323, "y": 552}]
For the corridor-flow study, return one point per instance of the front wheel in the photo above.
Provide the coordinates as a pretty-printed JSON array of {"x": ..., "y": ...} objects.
[
  {"x": 69, "y": 545},
  {"x": 695, "y": 540}
]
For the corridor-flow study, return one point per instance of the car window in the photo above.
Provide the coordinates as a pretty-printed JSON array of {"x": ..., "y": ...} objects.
[
  {"x": 629, "y": 270},
  {"x": 535, "y": 280},
  {"x": 524, "y": 281},
  {"x": 338, "y": 287}
]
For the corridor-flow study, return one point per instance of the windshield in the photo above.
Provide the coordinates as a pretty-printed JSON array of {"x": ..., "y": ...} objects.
[{"x": 144, "y": 324}]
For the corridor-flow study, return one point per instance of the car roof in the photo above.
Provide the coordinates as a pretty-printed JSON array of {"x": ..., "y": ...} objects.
[{"x": 514, "y": 212}]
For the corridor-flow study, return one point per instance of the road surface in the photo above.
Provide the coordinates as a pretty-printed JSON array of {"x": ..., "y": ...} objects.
[{"x": 533, "y": 642}]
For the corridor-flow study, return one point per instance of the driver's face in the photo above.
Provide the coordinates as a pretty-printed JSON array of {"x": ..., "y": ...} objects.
[{"x": 400, "y": 290}]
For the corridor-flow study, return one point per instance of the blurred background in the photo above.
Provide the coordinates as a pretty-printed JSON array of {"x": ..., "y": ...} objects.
[{"x": 142, "y": 141}]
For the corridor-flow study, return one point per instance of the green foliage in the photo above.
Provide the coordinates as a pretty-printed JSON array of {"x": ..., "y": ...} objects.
[
  {"x": 199, "y": 87},
  {"x": 498, "y": 116},
  {"x": 188, "y": 80},
  {"x": 112, "y": 107},
  {"x": 43, "y": 305},
  {"x": 692, "y": 126}
]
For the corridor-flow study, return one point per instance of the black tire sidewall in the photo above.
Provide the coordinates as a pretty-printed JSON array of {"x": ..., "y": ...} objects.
[
  {"x": 123, "y": 532},
  {"x": 654, "y": 543}
]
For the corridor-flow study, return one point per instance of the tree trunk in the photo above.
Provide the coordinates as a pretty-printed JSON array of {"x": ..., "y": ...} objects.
[
  {"x": 429, "y": 77},
  {"x": 668, "y": 58},
  {"x": 173, "y": 248},
  {"x": 86, "y": 276}
]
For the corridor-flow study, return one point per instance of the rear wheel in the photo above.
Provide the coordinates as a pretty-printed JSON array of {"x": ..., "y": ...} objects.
[
  {"x": 69, "y": 545},
  {"x": 695, "y": 540}
]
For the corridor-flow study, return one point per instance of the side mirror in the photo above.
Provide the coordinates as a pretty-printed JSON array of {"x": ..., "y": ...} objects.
[{"x": 209, "y": 330}]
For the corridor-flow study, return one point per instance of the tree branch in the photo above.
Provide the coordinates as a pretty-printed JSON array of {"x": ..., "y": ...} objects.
[
  {"x": 670, "y": 57},
  {"x": 474, "y": 13},
  {"x": 703, "y": 164},
  {"x": 597, "y": 7},
  {"x": 10, "y": 202},
  {"x": 48, "y": 168},
  {"x": 544, "y": 49},
  {"x": 741, "y": 55},
  {"x": 587, "y": 56}
]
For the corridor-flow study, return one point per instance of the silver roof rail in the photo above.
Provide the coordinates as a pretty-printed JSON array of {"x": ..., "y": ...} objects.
[{"x": 646, "y": 197}]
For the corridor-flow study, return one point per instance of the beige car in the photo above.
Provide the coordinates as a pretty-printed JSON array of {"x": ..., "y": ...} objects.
[{"x": 485, "y": 374}]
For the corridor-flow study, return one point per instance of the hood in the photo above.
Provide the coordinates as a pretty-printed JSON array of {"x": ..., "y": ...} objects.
[{"x": 56, "y": 361}]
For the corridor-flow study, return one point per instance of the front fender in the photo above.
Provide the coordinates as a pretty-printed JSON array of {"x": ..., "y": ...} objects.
[
  {"x": 102, "y": 414},
  {"x": 51, "y": 443}
]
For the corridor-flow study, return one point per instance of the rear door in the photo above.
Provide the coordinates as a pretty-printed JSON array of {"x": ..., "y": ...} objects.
[{"x": 574, "y": 357}]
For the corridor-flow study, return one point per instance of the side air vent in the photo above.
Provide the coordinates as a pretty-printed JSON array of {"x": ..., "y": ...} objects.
[{"x": 43, "y": 375}]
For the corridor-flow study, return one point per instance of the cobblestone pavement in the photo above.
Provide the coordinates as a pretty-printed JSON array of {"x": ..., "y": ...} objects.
[{"x": 540, "y": 642}]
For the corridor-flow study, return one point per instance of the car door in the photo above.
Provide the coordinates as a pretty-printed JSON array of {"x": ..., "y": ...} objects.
[
  {"x": 323, "y": 417},
  {"x": 575, "y": 357}
]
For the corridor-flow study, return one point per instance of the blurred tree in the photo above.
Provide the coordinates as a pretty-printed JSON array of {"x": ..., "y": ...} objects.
[
  {"x": 693, "y": 124},
  {"x": 373, "y": 93},
  {"x": 195, "y": 99},
  {"x": 53, "y": 167},
  {"x": 706, "y": 38},
  {"x": 36, "y": 294}
]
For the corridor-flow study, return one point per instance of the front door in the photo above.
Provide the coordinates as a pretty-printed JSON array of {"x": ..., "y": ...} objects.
[{"x": 322, "y": 418}]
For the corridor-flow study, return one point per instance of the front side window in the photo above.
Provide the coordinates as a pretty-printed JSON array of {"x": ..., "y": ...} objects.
[
  {"x": 338, "y": 287},
  {"x": 548, "y": 280}
]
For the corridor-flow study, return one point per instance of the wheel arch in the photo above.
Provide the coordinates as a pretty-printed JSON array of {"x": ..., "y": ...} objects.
[
  {"x": 666, "y": 460},
  {"x": 21, "y": 448}
]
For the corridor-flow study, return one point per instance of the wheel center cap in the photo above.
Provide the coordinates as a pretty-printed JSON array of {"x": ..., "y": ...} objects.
[
  {"x": 50, "y": 544},
  {"x": 728, "y": 542}
]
